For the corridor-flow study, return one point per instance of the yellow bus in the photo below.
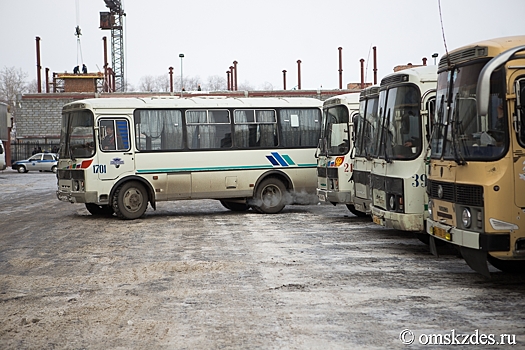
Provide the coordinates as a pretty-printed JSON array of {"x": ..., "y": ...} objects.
[{"x": 476, "y": 181}]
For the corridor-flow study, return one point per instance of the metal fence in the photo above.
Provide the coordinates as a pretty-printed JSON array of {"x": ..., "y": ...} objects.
[{"x": 24, "y": 150}]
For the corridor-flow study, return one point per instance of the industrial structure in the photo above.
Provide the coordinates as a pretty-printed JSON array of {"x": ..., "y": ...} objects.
[{"x": 114, "y": 21}]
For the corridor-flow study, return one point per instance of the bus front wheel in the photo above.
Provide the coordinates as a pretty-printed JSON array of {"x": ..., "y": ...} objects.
[
  {"x": 234, "y": 206},
  {"x": 130, "y": 200},
  {"x": 99, "y": 210},
  {"x": 270, "y": 196}
]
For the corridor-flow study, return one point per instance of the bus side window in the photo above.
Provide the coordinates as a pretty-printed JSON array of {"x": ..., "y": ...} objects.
[
  {"x": 114, "y": 135},
  {"x": 306, "y": 133}
]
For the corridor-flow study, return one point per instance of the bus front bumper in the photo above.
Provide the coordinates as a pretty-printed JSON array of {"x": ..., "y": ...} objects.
[
  {"x": 334, "y": 197},
  {"x": 362, "y": 205},
  {"x": 77, "y": 197},
  {"x": 474, "y": 240},
  {"x": 398, "y": 221}
]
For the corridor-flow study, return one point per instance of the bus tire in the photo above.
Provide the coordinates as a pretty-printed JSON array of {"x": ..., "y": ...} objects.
[
  {"x": 510, "y": 266},
  {"x": 99, "y": 210},
  {"x": 233, "y": 206},
  {"x": 356, "y": 212},
  {"x": 270, "y": 196},
  {"x": 130, "y": 200}
]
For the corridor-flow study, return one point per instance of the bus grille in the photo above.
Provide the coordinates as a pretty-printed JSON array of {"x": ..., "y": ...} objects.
[
  {"x": 362, "y": 177},
  {"x": 469, "y": 195},
  {"x": 378, "y": 182},
  {"x": 70, "y": 174},
  {"x": 331, "y": 173},
  {"x": 462, "y": 194}
]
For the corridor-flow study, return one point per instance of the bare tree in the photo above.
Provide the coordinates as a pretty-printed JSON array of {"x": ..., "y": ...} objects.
[
  {"x": 12, "y": 83},
  {"x": 246, "y": 86},
  {"x": 192, "y": 83},
  {"x": 216, "y": 83},
  {"x": 32, "y": 87},
  {"x": 147, "y": 83},
  {"x": 163, "y": 83},
  {"x": 267, "y": 86}
]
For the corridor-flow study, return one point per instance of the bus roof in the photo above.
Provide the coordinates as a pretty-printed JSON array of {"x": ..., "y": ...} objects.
[
  {"x": 486, "y": 48},
  {"x": 192, "y": 102},
  {"x": 421, "y": 74},
  {"x": 348, "y": 98},
  {"x": 368, "y": 92}
]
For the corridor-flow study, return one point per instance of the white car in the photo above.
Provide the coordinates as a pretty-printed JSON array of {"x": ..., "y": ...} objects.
[
  {"x": 2, "y": 156},
  {"x": 39, "y": 161}
]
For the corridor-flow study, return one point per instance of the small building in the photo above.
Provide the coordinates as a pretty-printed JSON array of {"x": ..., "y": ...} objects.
[{"x": 69, "y": 82}]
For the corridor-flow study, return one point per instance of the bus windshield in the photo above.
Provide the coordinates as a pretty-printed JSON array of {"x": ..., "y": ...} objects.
[
  {"x": 335, "y": 132},
  {"x": 77, "y": 135},
  {"x": 399, "y": 130},
  {"x": 367, "y": 113},
  {"x": 460, "y": 133}
]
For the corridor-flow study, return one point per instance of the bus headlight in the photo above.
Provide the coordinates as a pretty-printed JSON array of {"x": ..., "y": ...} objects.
[
  {"x": 76, "y": 186},
  {"x": 392, "y": 202},
  {"x": 430, "y": 208},
  {"x": 466, "y": 217}
]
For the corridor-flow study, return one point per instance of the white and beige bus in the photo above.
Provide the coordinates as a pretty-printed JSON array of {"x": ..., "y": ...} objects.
[
  {"x": 477, "y": 167},
  {"x": 119, "y": 154},
  {"x": 335, "y": 151},
  {"x": 368, "y": 103},
  {"x": 399, "y": 171}
]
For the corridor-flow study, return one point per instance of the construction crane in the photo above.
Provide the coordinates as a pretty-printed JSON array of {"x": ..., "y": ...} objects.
[{"x": 114, "y": 21}]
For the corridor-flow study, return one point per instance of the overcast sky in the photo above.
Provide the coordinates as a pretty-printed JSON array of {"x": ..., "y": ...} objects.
[{"x": 265, "y": 37}]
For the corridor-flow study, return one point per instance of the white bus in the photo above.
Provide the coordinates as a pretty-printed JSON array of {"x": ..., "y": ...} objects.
[
  {"x": 335, "y": 151},
  {"x": 368, "y": 103},
  {"x": 119, "y": 154},
  {"x": 398, "y": 174}
]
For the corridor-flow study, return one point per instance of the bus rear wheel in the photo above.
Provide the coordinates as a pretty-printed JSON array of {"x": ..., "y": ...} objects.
[
  {"x": 234, "y": 206},
  {"x": 99, "y": 210},
  {"x": 130, "y": 200},
  {"x": 270, "y": 196},
  {"x": 356, "y": 212}
]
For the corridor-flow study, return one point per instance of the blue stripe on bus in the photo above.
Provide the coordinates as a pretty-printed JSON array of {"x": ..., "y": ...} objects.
[
  {"x": 279, "y": 159},
  {"x": 272, "y": 160}
]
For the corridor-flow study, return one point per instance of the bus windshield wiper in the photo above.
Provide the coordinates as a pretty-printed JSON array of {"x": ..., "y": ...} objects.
[
  {"x": 385, "y": 141},
  {"x": 458, "y": 157}
]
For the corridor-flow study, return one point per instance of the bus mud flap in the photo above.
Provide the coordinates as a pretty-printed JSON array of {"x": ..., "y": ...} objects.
[
  {"x": 432, "y": 245},
  {"x": 476, "y": 259}
]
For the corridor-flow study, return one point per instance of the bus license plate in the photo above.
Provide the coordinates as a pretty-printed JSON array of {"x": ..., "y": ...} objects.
[{"x": 377, "y": 220}]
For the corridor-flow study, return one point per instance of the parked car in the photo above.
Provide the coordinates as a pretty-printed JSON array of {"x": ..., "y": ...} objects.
[
  {"x": 39, "y": 161},
  {"x": 2, "y": 156}
]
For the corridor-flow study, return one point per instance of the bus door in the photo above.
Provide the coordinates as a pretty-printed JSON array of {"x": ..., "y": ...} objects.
[
  {"x": 519, "y": 153},
  {"x": 114, "y": 156}
]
